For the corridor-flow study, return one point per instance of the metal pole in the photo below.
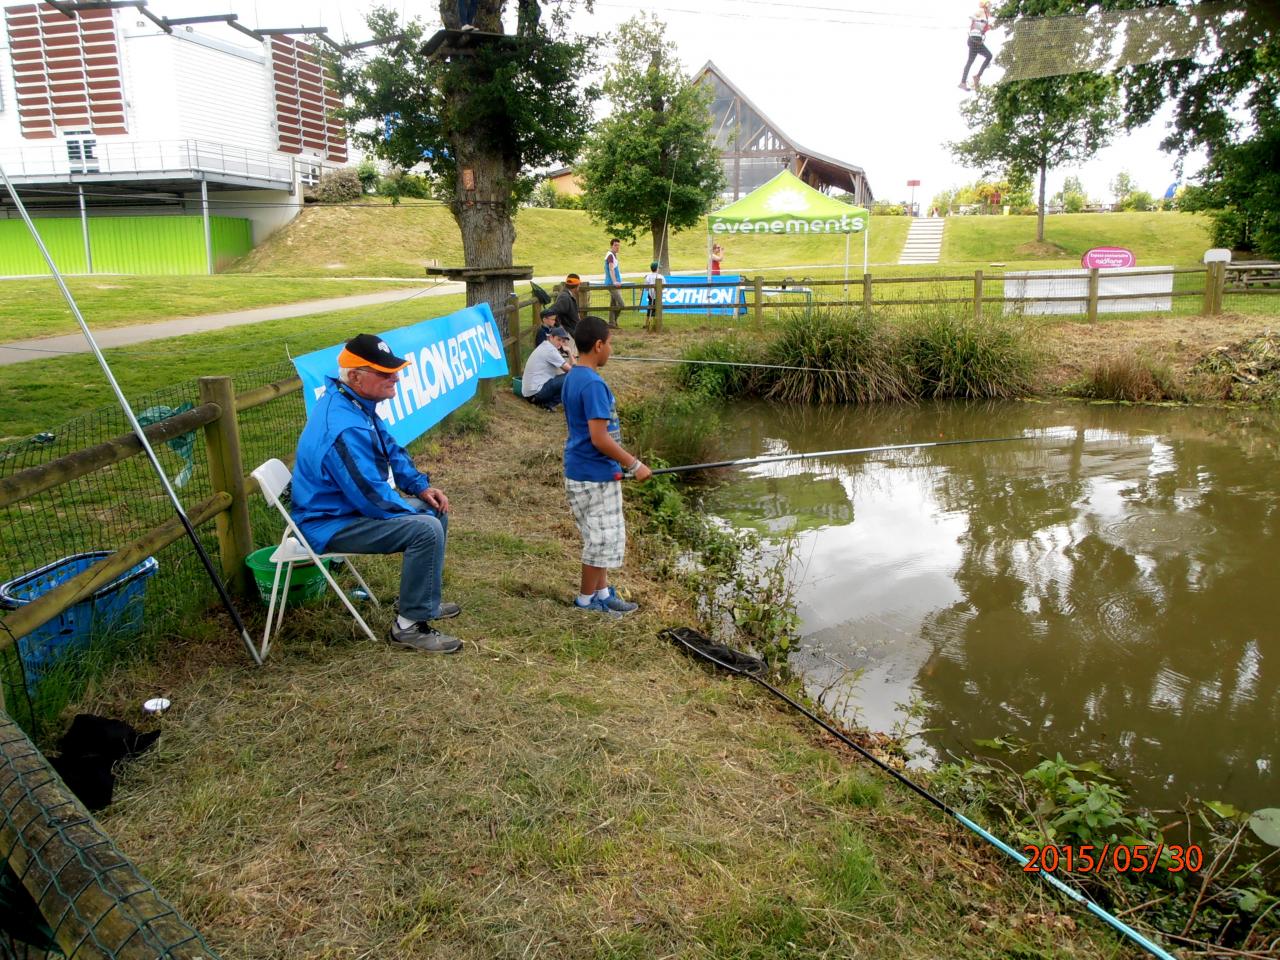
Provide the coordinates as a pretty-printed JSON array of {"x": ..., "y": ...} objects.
[
  {"x": 846, "y": 266},
  {"x": 84, "y": 230},
  {"x": 133, "y": 422},
  {"x": 208, "y": 233}
]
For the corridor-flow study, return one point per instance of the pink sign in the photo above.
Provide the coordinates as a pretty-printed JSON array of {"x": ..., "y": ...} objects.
[{"x": 1104, "y": 257}]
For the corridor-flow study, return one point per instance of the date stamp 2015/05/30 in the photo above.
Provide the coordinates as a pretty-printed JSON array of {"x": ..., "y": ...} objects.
[{"x": 1120, "y": 857}]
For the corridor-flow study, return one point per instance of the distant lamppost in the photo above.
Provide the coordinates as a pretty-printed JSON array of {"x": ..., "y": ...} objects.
[{"x": 913, "y": 184}]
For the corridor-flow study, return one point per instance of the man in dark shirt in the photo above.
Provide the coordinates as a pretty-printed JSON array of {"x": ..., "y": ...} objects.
[{"x": 563, "y": 311}]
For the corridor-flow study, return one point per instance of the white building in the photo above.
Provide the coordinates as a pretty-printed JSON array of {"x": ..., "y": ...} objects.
[{"x": 105, "y": 112}]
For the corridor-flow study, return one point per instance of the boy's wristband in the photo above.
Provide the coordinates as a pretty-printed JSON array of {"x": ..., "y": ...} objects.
[{"x": 630, "y": 471}]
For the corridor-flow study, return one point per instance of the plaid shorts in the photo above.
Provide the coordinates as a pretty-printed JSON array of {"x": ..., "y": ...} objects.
[{"x": 597, "y": 507}]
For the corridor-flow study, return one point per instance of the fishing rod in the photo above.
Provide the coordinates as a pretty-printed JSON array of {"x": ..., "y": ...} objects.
[
  {"x": 133, "y": 422},
  {"x": 716, "y": 655},
  {"x": 785, "y": 457}
]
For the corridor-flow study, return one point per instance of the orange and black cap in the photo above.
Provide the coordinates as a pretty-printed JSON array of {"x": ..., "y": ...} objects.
[{"x": 367, "y": 350}]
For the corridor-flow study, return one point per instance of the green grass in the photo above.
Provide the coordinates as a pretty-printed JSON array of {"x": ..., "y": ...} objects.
[
  {"x": 1156, "y": 239},
  {"x": 35, "y": 308},
  {"x": 39, "y": 396},
  {"x": 377, "y": 239}
]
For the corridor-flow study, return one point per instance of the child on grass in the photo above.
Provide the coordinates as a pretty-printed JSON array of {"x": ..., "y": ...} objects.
[{"x": 593, "y": 458}]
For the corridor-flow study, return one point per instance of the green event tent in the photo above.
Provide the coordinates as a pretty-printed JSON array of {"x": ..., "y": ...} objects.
[{"x": 786, "y": 204}]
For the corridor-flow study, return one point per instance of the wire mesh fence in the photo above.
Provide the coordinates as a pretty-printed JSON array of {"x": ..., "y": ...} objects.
[
  {"x": 69, "y": 891},
  {"x": 109, "y": 508}
]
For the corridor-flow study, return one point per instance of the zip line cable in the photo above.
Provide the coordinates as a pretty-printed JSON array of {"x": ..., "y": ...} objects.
[
  {"x": 677, "y": 636},
  {"x": 133, "y": 422}
]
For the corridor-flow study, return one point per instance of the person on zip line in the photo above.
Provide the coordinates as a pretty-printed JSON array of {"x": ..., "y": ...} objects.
[{"x": 979, "y": 24}]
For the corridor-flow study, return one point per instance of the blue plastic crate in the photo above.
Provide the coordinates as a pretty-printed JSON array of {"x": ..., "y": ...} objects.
[{"x": 115, "y": 608}]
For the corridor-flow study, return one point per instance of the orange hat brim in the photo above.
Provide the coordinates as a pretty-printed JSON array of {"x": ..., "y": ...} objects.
[{"x": 351, "y": 360}]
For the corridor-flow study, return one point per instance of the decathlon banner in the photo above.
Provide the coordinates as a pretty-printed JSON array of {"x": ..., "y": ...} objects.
[
  {"x": 724, "y": 298},
  {"x": 447, "y": 357}
]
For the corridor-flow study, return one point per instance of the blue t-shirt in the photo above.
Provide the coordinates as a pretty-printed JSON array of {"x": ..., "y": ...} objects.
[{"x": 587, "y": 397}]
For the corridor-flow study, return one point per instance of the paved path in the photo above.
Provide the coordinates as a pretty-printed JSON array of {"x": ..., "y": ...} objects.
[{"x": 44, "y": 347}]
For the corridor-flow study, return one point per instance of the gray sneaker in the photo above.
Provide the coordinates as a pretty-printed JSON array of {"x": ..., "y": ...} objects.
[
  {"x": 446, "y": 611},
  {"x": 424, "y": 638}
]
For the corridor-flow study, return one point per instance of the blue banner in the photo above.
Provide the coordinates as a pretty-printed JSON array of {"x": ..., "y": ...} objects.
[
  {"x": 724, "y": 298},
  {"x": 447, "y": 357}
]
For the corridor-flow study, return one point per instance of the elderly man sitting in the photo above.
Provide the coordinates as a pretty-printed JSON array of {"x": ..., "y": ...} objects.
[{"x": 344, "y": 499}]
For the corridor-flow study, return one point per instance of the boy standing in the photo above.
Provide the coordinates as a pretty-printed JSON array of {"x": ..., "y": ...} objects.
[
  {"x": 613, "y": 280},
  {"x": 593, "y": 458}
]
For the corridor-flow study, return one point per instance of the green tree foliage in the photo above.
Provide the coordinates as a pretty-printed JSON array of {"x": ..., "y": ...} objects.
[
  {"x": 1227, "y": 102},
  {"x": 652, "y": 163},
  {"x": 1240, "y": 188},
  {"x": 1016, "y": 193},
  {"x": 476, "y": 119},
  {"x": 1071, "y": 197},
  {"x": 1026, "y": 128},
  {"x": 1122, "y": 186}
]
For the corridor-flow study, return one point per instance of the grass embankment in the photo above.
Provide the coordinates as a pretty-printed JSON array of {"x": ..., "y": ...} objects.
[
  {"x": 563, "y": 788},
  {"x": 377, "y": 239},
  {"x": 1157, "y": 239},
  {"x": 35, "y": 308}
]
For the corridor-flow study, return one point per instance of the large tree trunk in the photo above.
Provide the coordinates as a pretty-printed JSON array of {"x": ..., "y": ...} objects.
[
  {"x": 484, "y": 219},
  {"x": 1040, "y": 211},
  {"x": 661, "y": 247},
  {"x": 480, "y": 203}
]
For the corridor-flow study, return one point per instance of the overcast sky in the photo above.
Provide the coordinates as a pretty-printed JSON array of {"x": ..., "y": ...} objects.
[{"x": 871, "y": 82}]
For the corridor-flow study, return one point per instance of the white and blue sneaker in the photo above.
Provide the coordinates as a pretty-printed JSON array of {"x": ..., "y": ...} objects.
[
  {"x": 617, "y": 604},
  {"x": 598, "y": 606}
]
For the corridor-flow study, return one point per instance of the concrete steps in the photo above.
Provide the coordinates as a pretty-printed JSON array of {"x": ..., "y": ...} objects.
[{"x": 924, "y": 240}]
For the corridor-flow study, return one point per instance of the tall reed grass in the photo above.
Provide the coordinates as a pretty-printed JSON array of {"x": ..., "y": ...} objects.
[
  {"x": 1135, "y": 379},
  {"x": 954, "y": 355},
  {"x": 839, "y": 357},
  {"x": 845, "y": 356}
]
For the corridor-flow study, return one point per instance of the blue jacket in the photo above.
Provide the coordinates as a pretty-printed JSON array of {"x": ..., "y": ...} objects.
[{"x": 345, "y": 461}]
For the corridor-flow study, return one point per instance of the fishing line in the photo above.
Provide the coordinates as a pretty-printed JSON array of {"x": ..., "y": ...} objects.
[
  {"x": 730, "y": 363},
  {"x": 786, "y": 457},
  {"x": 133, "y": 422},
  {"x": 681, "y": 637}
]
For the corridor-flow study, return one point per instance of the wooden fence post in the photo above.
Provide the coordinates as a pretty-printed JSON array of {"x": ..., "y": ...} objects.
[
  {"x": 657, "y": 304},
  {"x": 758, "y": 283},
  {"x": 866, "y": 294},
  {"x": 1219, "y": 287},
  {"x": 1092, "y": 306},
  {"x": 977, "y": 295},
  {"x": 226, "y": 475},
  {"x": 584, "y": 298}
]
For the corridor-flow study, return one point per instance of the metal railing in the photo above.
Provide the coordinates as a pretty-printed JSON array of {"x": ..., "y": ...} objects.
[{"x": 87, "y": 156}]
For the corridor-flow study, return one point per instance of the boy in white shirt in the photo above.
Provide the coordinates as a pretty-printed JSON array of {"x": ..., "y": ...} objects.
[
  {"x": 650, "y": 278},
  {"x": 545, "y": 370}
]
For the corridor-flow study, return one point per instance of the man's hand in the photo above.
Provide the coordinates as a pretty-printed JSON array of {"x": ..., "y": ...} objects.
[
  {"x": 643, "y": 472},
  {"x": 434, "y": 497}
]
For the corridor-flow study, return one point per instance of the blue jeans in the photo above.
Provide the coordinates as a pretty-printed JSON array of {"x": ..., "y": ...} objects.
[
  {"x": 420, "y": 538},
  {"x": 548, "y": 394}
]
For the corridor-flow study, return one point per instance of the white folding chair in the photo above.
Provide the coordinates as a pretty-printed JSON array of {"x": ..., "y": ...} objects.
[{"x": 273, "y": 476}]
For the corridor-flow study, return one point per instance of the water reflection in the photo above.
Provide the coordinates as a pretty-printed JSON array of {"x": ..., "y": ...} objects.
[{"x": 1110, "y": 591}]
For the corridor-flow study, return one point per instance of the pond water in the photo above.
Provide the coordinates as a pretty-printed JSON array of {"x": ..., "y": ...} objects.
[{"x": 1108, "y": 589}]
